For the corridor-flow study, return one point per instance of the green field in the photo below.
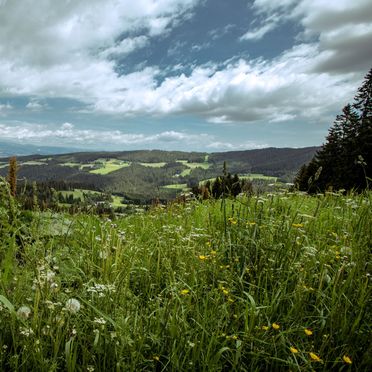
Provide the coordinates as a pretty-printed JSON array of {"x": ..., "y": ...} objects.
[
  {"x": 109, "y": 166},
  {"x": 80, "y": 193},
  {"x": 252, "y": 176},
  {"x": 192, "y": 166},
  {"x": 177, "y": 186},
  {"x": 275, "y": 282},
  {"x": 154, "y": 165}
]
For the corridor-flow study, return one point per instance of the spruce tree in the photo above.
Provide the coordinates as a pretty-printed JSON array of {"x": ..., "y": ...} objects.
[{"x": 344, "y": 161}]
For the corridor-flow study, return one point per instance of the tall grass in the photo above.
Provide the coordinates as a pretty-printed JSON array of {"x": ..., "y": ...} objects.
[{"x": 273, "y": 282}]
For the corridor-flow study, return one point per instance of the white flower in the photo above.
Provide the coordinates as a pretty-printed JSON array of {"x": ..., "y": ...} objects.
[
  {"x": 24, "y": 312},
  {"x": 72, "y": 305}
]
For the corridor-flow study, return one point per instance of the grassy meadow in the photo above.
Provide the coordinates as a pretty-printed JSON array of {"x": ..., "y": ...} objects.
[{"x": 273, "y": 282}]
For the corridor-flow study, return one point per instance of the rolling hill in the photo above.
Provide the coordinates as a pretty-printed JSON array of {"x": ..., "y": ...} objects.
[{"x": 147, "y": 174}]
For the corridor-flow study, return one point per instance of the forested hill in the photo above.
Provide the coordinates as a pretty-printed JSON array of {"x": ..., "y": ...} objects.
[{"x": 148, "y": 173}]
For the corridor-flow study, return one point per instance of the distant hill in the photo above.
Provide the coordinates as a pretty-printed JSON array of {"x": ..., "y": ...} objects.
[
  {"x": 18, "y": 149},
  {"x": 145, "y": 174}
]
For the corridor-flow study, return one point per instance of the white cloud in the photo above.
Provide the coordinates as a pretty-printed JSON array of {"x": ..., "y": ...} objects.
[
  {"x": 64, "y": 49},
  {"x": 226, "y": 146},
  {"x": 126, "y": 46},
  {"x": 69, "y": 135},
  {"x": 259, "y": 32},
  {"x": 342, "y": 27},
  {"x": 36, "y": 105},
  {"x": 5, "y": 107}
]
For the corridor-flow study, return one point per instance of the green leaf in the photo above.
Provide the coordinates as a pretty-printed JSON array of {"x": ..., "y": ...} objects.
[{"x": 7, "y": 303}]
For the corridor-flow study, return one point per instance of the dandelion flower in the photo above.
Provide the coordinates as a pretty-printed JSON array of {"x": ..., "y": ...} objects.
[
  {"x": 314, "y": 357},
  {"x": 24, "y": 312},
  {"x": 276, "y": 326},
  {"x": 293, "y": 350},
  {"x": 202, "y": 257},
  {"x": 185, "y": 292},
  {"x": 72, "y": 305},
  {"x": 297, "y": 225},
  {"x": 308, "y": 331},
  {"x": 347, "y": 359}
]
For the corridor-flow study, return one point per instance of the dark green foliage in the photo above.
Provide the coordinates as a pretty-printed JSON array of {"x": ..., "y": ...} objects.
[
  {"x": 225, "y": 185},
  {"x": 344, "y": 161}
]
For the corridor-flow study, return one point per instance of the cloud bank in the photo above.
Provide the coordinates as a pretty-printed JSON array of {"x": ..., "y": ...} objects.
[{"x": 70, "y": 48}]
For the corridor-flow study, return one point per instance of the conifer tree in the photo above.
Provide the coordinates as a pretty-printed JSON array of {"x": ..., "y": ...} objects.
[{"x": 344, "y": 160}]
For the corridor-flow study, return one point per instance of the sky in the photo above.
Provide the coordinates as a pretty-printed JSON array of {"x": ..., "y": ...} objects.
[{"x": 192, "y": 75}]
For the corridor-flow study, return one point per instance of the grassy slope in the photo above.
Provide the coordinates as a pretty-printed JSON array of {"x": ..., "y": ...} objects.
[{"x": 195, "y": 287}]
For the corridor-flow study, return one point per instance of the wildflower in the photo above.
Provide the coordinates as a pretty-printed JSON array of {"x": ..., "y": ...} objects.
[
  {"x": 225, "y": 291},
  {"x": 24, "y": 312},
  {"x": 233, "y": 221},
  {"x": 308, "y": 332},
  {"x": 276, "y": 326},
  {"x": 202, "y": 257},
  {"x": 314, "y": 357},
  {"x": 156, "y": 357},
  {"x": 72, "y": 305},
  {"x": 264, "y": 328},
  {"x": 297, "y": 225},
  {"x": 347, "y": 359},
  {"x": 99, "y": 321},
  {"x": 26, "y": 331},
  {"x": 185, "y": 292},
  {"x": 293, "y": 350}
]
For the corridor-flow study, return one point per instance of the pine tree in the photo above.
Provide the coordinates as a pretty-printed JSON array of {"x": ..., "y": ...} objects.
[{"x": 363, "y": 107}]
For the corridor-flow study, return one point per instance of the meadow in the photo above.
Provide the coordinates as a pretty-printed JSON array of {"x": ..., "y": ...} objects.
[{"x": 277, "y": 281}]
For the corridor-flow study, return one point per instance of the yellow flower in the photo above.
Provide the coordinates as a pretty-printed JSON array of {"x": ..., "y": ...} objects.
[
  {"x": 293, "y": 350},
  {"x": 308, "y": 331},
  {"x": 347, "y": 359},
  {"x": 250, "y": 223},
  {"x": 156, "y": 357},
  {"x": 314, "y": 357},
  {"x": 225, "y": 291},
  {"x": 264, "y": 328},
  {"x": 185, "y": 291},
  {"x": 298, "y": 225},
  {"x": 202, "y": 257},
  {"x": 276, "y": 326}
]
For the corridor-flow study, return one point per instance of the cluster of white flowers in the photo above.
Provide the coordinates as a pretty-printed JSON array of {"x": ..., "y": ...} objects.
[
  {"x": 101, "y": 289},
  {"x": 45, "y": 277},
  {"x": 99, "y": 321},
  {"x": 26, "y": 331}
]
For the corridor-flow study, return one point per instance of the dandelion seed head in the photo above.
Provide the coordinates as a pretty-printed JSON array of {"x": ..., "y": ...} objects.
[
  {"x": 72, "y": 305},
  {"x": 24, "y": 312}
]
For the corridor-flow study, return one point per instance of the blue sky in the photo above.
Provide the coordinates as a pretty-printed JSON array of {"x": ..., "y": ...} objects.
[{"x": 205, "y": 75}]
